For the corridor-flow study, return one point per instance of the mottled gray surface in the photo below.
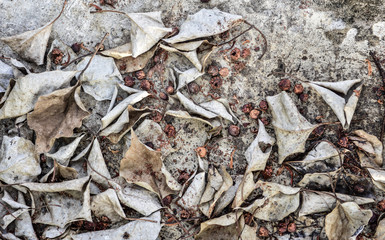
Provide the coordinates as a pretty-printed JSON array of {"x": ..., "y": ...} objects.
[{"x": 310, "y": 40}]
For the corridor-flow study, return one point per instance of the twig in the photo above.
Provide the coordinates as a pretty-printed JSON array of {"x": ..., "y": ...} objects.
[
  {"x": 114, "y": 11},
  {"x": 61, "y": 12},
  {"x": 382, "y": 74},
  {"x": 8, "y": 210},
  {"x": 263, "y": 36},
  {"x": 67, "y": 64},
  {"x": 93, "y": 55},
  {"x": 231, "y": 158},
  {"x": 233, "y": 39},
  {"x": 108, "y": 181},
  {"x": 177, "y": 220},
  {"x": 7, "y": 58},
  {"x": 140, "y": 219}
]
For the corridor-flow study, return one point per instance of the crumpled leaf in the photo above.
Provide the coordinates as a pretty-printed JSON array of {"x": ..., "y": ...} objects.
[
  {"x": 99, "y": 82},
  {"x": 119, "y": 52},
  {"x": 64, "y": 154},
  {"x": 135, "y": 197},
  {"x": 143, "y": 166},
  {"x": 227, "y": 197},
  {"x": 31, "y": 45},
  {"x": 118, "y": 109},
  {"x": 278, "y": 201},
  {"x": 221, "y": 108},
  {"x": 96, "y": 166},
  {"x": 23, "y": 225},
  {"x": 68, "y": 54},
  {"x": 380, "y": 231},
  {"x": 205, "y": 23},
  {"x": 345, "y": 105},
  {"x": 259, "y": 150},
  {"x": 370, "y": 152},
  {"x": 378, "y": 177},
  {"x": 244, "y": 190},
  {"x": 60, "y": 171},
  {"x": 229, "y": 226},
  {"x": 107, "y": 204},
  {"x": 190, "y": 51},
  {"x": 52, "y": 232},
  {"x": 218, "y": 184},
  {"x": 59, "y": 209},
  {"x": 291, "y": 128},
  {"x": 146, "y": 30},
  {"x": 186, "y": 77},
  {"x": 55, "y": 116},
  {"x": 136, "y": 230},
  {"x": 125, "y": 122},
  {"x": 6, "y": 73},
  {"x": 17, "y": 160},
  {"x": 346, "y": 220},
  {"x": 316, "y": 202},
  {"x": 186, "y": 115},
  {"x": 26, "y": 91},
  {"x": 322, "y": 158},
  {"x": 131, "y": 64}
]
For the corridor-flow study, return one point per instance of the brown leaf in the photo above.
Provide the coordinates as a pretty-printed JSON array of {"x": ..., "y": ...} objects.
[
  {"x": 55, "y": 116},
  {"x": 143, "y": 166},
  {"x": 131, "y": 64}
]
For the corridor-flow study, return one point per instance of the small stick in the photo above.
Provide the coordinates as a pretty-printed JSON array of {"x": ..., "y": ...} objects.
[
  {"x": 67, "y": 64},
  {"x": 114, "y": 11},
  {"x": 141, "y": 219},
  {"x": 177, "y": 220},
  {"x": 233, "y": 39},
  {"x": 61, "y": 12},
  {"x": 382, "y": 74},
  {"x": 231, "y": 158},
  {"x": 263, "y": 36}
]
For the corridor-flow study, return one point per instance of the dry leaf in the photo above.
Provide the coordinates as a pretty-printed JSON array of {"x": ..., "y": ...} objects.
[
  {"x": 23, "y": 225},
  {"x": 60, "y": 171},
  {"x": 194, "y": 192},
  {"x": 346, "y": 220},
  {"x": 343, "y": 106},
  {"x": 27, "y": 90},
  {"x": 107, "y": 204},
  {"x": 55, "y": 116},
  {"x": 186, "y": 77},
  {"x": 205, "y": 23},
  {"x": 68, "y": 55},
  {"x": 380, "y": 231},
  {"x": 6, "y": 73},
  {"x": 278, "y": 201},
  {"x": 64, "y": 154},
  {"x": 125, "y": 122},
  {"x": 119, "y": 52},
  {"x": 131, "y": 64},
  {"x": 378, "y": 177},
  {"x": 244, "y": 190},
  {"x": 221, "y": 108},
  {"x": 227, "y": 197},
  {"x": 17, "y": 160},
  {"x": 186, "y": 115},
  {"x": 146, "y": 30},
  {"x": 370, "y": 152},
  {"x": 143, "y": 166},
  {"x": 291, "y": 128},
  {"x": 96, "y": 166},
  {"x": 324, "y": 157},
  {"x": 99, "y": 82},
  {"x": 193, "y": 108}
]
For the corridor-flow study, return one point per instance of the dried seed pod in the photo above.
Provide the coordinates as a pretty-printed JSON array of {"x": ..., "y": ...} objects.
[
  {"x": 167, "y": 200},
  {"x": 76, "y": 47},
  {"x": 267, "y": 173},
  {"x": 183, "y": 176},
  {"x": 358, "y": 188},
  {"x": 129, "y": 81},
  {"x": 57, "y": 56},
  {"x": 304, "y": 97},
  {"x": 145, "y": 85},
  {"x": 156, "y": 117},
  {"x": 284, "y": 84},
  {"x": 201, "y": 151},
  {"x": 239, "y": 66},
  {"x": 163, "y": 96},
  {"x": 298, "y": 89},
  {"x": 265, "y": 121},
  {"x": 194, "y": 87},
  {"x": 170, "y": 89},
  {"x": 234, "y": 130},
  {"x": 216, "y": 82},
  {"x": 291, "y": 227},
  {"x": 170, "y": 130},
  {"x": 140, "y": 74},
  {"x": 247, "y": 108},
  {"x": 246, "y": 53},
  {"x": 224, "y": 72},
  {"x": 235, "y": 54},
  {"x": 213, "y": 70},
  {"x": 381, "y": 205},
  {"x": 254, "y": 114},
  {"x": 263, "y": 232},
  {"x": 184, "y": 214},
  {"x": 263, "y": 105}
]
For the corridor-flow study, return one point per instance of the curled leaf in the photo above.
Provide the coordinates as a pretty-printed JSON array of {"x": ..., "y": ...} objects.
[
  {"x": 186, "y": 77},
  {"x": 131, "y": 64},
  {"x": 119, "y": 52},
  {"x": 6, "y": 73},
  {"x": 107, "y": 204},
  {"x": 64, "y": 154},
  {"x": 370, "y": 152}
]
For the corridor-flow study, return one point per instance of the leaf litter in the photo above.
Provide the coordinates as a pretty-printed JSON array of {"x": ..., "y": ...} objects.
[{"x": 71, "y": 190}]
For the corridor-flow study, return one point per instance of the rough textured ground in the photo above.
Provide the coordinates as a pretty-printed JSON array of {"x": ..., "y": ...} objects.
[{"x": 316, "y": 40}]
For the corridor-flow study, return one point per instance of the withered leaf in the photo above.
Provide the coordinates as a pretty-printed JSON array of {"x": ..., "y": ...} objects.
[
  {"x": 55, "y": 116},
  {"x": 130, "y": 64}
]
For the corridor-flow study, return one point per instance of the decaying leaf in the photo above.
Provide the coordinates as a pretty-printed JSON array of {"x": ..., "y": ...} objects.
[
  {"x": 346, "y": 220},
  {"x": 205, "y": 23},
  {"x": 380, "y": 231},
  {"x": 259, "y": 150},
  {"x": 56, "y": 115},
  {"x": 135, "y": 197},
  {"x": 221, "y": 108},
  {"x": 60, "y": 171},
  {"x": 17, "y": 160},
  {"x": 98, "y": 81},
  {"x": 131, "y": 64},
  {"x": 322, "y": 158},
  {"x": 119, "y": 52},
  {"x": 52, "y": 232},
  {"x": 146, "y": 30},
  {"x": 186, "y": 115},
  {"x": 319, "y": 180},
  {"x": 244, "y": 190},
  {"x": 143, "y": 166},
  {"x": 125, "y": 122},
  {"x": 27, "y": 90},
  {"x": 23, "y": 225},
  {"x": 378, "y": 177},
  {"x": 291, "y": 128},
  {"x": 96, "y": 166},
  {"x": 316, "y": 202},
  {"x": 140, "y": 229},
  {"x": 107, "y": 204},
  {"x": 370, "y": 152},
  {"x": 185, "y": 77},
  {"x": 61, "y": 203},
  {"x": 122, "y": 106},
  {"x": 278, "y": 201},
  {"x": 65, "y": 153},
  {"x": 345, "y": 105},
  {"x": 68, "y": 55},
  {"x": 227, "y": 197},
  {"x": 6, "y": 73}
]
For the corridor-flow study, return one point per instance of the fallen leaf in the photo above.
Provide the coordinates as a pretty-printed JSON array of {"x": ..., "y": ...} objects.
[
  {"x": 96, "y": 166},
  {"x": 68, "y": 55},
  {"x": 227, "y": 197},
  {"x": 244, "y": 190},
  {"x": 205, "y": 23},
  {"x": 107, "y": 204},
  {"x": 370, "y": 152},
  {"x": 380, "y": 231},
  {"x": 130, "y": 64},
  {"x": 125, "y": 122},
  {"x": 186, "y": 115},
  {"x": 27, "y": 90},
  {"x": 99, "y": 82},
  {"x": 23, "y": 225},
  {"x": 146, "y": 30},
  {"x": 186, "y": 77},
  {"x": 56, "y": 115},
  {"x": 17, "y": 160},
  {"x": 6, "y": 73},
  {"x": 119, "y": 52},
  {"x": 221, "y": 108},
  {"x": 65, "y": 153},
  {"x": 378, "y": 177},
  {"x": 60, "y": 171},
  {"x": 277, "y": 201},
  {"x": 291, "y": 128},
  {"x": 52, "y": 232},
  {"x": 346, "y": 220},
  {"x": 193, "y": 108},
  {"x": 343, "y": 106}
]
